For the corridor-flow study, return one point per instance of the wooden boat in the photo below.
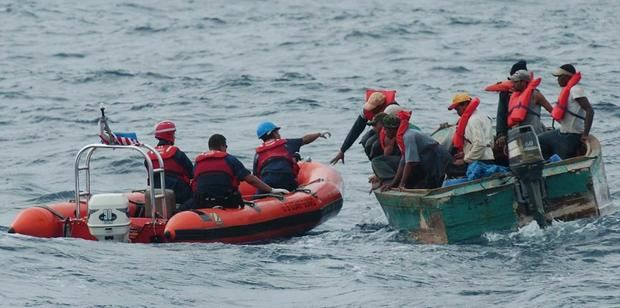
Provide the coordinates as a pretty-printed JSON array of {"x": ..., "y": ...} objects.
[
  {"x": 575, "y": 188},
  {"x": 130, "y": 217}
]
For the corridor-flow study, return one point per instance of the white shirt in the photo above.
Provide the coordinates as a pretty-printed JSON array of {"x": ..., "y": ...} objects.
[
  {"x": 478, "y": 138},
  {"x": 570, "y": 123}
]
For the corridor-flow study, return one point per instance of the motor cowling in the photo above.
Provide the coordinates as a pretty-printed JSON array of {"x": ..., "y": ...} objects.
[{"x": 107, "y": 217}]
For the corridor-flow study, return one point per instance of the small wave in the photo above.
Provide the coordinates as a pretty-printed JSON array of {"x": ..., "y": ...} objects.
[
  {"x": 142, "y": 106},
  {"x": 214, "y": 20},
  {"x": 452, "y": 69},
  {"x": 47, "y": 198},
  {"x": 288, "y": 76},
  {"x": 104, "y": 75},
  {"x": 14, "y": 94},
  {"x": 302, "y": 102},
  {"x": 241, "y": 81},
  {"x": 148, "y": 29},
  {"x": 69, "y": 55},
  {"x": 137, "y": 6},
  {"x": 361, "y": 34}
]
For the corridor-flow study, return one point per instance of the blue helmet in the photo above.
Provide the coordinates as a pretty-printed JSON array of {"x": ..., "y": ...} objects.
[{"x": 265, "y": 128}]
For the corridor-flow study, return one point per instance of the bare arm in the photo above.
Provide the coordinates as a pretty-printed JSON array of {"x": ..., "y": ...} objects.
[
  {"x": 309, "y": 138},
  {"x": 407, "y": 171},
  {"x": 256, "y": 182},
  {"x": 542, "y": 100},
  {"x": 397, "y": 177},
  {"x": 585, "y": 104}
]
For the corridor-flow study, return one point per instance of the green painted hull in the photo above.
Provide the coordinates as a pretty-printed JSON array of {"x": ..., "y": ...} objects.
[{"x": 575, "y": 188}]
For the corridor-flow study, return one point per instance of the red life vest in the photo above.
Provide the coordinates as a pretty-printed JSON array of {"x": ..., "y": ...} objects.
[
  {"x": 213, "y": 162},
  {"x": 404, "y": 117},
  {"x": 562, "y": 106},
  {"x": 390, "y": 98},
  {"x": 171, "y": 166},
  {"x": 458, "y": 140},
  {"x": 518, "y": 107},
  {"x": 500, "y": 86},
  {"x": 272, "y": 149}
]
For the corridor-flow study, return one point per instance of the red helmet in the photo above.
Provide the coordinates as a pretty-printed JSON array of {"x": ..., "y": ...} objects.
[{"x": 164, "y": 130}]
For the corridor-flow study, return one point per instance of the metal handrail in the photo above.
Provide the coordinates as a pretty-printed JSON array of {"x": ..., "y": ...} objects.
[{"x": 90, "y": 150}]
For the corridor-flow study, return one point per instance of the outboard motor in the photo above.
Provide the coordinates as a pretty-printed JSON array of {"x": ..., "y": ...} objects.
[
  {"x": 526, "y": 162},
  {"x": 107, "y": 217}
]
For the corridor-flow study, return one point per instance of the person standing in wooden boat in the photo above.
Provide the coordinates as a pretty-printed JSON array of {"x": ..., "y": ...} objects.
[
  {"x": 274, "y": 161},
  {"x": 503, "y": 88},
  {"x": 217, "y": 177},
  {"x": 574, "y": 113},
  {"x": 526, "y": 102},
  {"x": 376, "y": 101},
  {"x": 473, "y": 138},
  {"x": 178, "y": 167},
  {"x": 423, "y": 162}
]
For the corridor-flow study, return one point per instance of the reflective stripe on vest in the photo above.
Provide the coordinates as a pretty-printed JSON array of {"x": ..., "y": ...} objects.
[
  {"x": 459, "y": 135},
  {"x": 518, "y": 107},
  {"x": 213, "y": 162},
  {"x": 171, "y": 166},
  {"x": 273, "y": 149},
  {"x": 560, "y": 109}
]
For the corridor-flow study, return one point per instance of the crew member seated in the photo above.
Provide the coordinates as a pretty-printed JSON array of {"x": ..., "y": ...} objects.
[
  {"x": 217, "y": 177},
  {"x": 574, "y": 113},
  {"x": 177, "y": 166},
  {"x": 424, "y": 161},
  {"x": 473, "y": 139},
  {"x": 274, "y": 161}
]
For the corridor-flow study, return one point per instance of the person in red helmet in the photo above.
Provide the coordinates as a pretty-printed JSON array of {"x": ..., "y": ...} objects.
[{"x": 178, "y": 167}]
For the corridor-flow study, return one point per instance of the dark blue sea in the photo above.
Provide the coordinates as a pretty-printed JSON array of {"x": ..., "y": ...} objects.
[{"x": 222, "y": 67}]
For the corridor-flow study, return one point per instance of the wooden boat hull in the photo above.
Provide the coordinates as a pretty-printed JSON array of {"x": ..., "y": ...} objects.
[{"x": 575, "y": 188}]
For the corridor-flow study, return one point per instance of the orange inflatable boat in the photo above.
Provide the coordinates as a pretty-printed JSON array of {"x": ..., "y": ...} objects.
[{"x": 131, "y": 217}]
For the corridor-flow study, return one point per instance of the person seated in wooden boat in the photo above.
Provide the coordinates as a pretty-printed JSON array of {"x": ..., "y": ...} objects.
[
  {"x": 274, "y": 160},
  {"x": 423, "y": 162},
  {"x": 376, "y": 101},
  {"x": 473, "y": 138},
  {"x": 178, "y": 167},
  {"x": 385, "y": 162},
  {"x": 526, "y": 101},
  {"x": 217, "y": 177},
  {"x": 501, "y": 126},
  {"x": 574, "y": 113}
]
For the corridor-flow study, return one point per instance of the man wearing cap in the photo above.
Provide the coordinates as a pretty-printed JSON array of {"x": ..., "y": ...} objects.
[
  {"x": 477, "y": 136},
  {"x": 576, "y": 122},
  {"x": 521, "y": 79},
  {"x": 376, "y": 102},
  {"x": 274, "y": 161},
  {"x": 386, "y": 153},
  {"x": 424, "y": 161}
]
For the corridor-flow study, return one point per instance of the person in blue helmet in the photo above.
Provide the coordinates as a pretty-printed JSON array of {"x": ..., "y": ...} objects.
[{"x": 274, "y": 161}]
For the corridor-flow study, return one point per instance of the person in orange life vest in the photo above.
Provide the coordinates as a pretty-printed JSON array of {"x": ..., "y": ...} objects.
[
  {"x": 423, "y": 162},
  {"x": 217, "y": 176},
  {"x": 274, "y": 161},
  {"x": 385, "y": 163},
  {"x": 178, "y": 167},
  {"x": 473, "y": 138},
  {"x": 574, "y": 113},
  {"x": 501, "y": 125},
  {"x": 376, "y": 102},
  {"x": 521, "y": 80}
]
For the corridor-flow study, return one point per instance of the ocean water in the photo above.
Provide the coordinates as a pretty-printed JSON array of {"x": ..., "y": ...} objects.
[{"x": 222, "y": 67}]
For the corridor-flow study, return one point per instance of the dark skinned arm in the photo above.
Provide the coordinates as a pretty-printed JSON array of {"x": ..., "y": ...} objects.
[
  {"x": 585, "y": 104},
  {"x": 256, "y": 182},
  {"x": 397, "y": 177},
  {"x": 407, "y": 171},
  {"x": 542, "y": 100},
  {"x": 309, "y": 138}
]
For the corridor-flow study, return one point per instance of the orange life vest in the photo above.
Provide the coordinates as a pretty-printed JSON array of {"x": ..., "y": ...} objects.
[
  {"x": 404, "y": 117},
  {"x": 171, "y": 166},
  {"x": 458, "y": 140},
  {"x": 519, "y": 104},
  {"x": 213, "y": 162},
  {"x": 559, "y": 110},
  {"x": 500, "y": 86},
  {"x": 390, "y": 98},
  {"x": 274, "y": 149}
]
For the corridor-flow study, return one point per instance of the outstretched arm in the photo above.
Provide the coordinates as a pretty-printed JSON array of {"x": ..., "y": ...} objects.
[
  {"x": 256, "y": 182},
  {"x": 309, "y": 138}
]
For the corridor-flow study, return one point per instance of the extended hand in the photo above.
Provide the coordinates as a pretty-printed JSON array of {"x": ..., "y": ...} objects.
[
  {"x": 339, "y": 156},
  {"x": 325, "y": 134},
  {"x": 386, "y": 187}
]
